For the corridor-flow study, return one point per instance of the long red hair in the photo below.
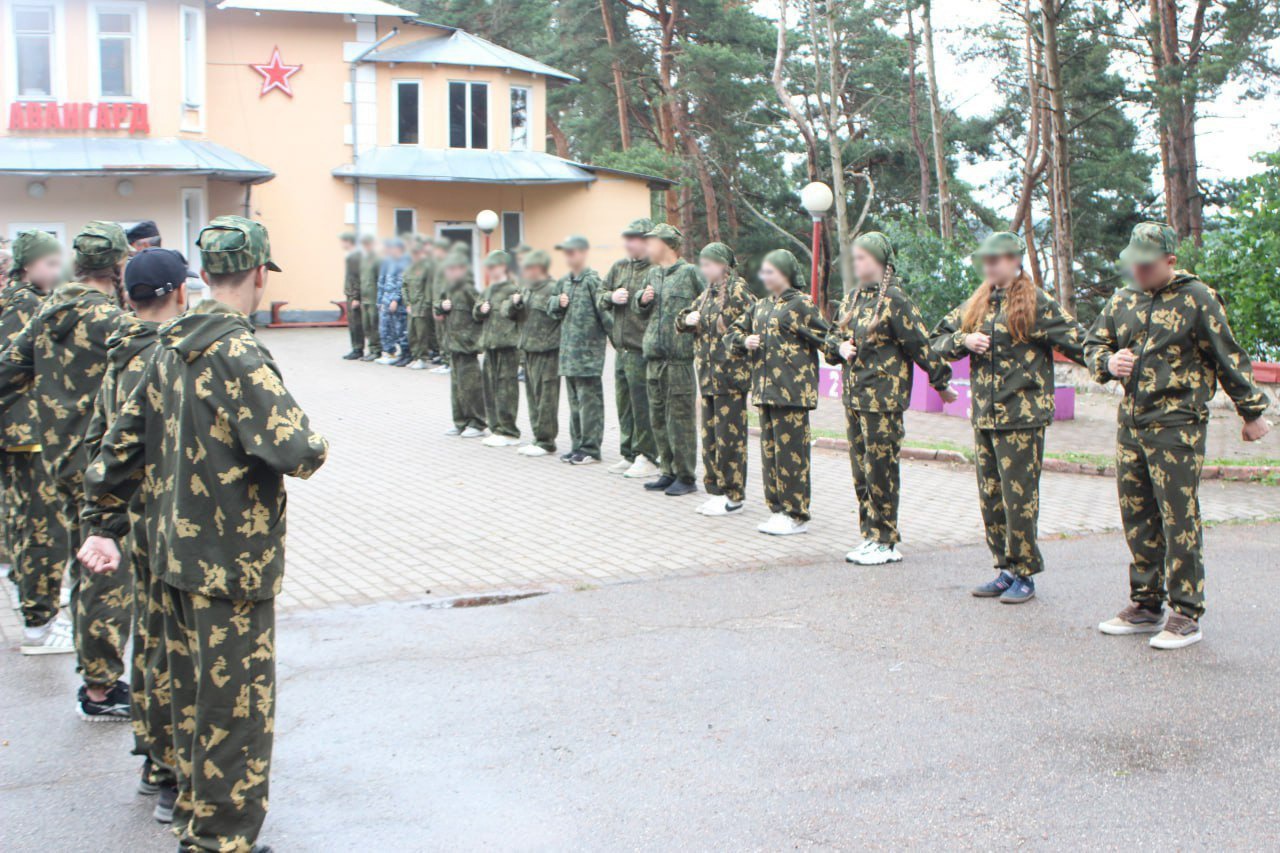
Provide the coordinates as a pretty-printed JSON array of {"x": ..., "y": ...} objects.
[{"x": 1020, "y": 310}]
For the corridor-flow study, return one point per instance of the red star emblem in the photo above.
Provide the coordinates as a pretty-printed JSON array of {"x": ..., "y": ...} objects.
[{"x": 275, "y": 74}]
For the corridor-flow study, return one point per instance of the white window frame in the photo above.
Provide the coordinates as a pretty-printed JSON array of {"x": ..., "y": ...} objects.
[
  {"x": 57, "y": 229},
  {"x": 413, "y": 216},
  {"x": 528, "y": 118},
  {"x": 395, "y": 109},
  {"x": 186, "y": 16},
  {"x": 139, "y": 54},
  {"x": 191, "y": 227},
  {"x": 448, "y": 117},
  {"x": 502, "y": 223},
  {"x": 57, "y": 75}
]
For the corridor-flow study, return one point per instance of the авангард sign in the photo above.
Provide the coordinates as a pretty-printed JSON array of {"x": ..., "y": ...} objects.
[{"x": 53, "y": 116}]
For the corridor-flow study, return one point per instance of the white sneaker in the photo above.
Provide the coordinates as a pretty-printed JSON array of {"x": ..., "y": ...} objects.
[
  {"x": 852, "y": 556},
  {"x": 622, "y": 466},
  {"x": 442, "y": 369},
  {"x": 710, "y": 503},
  {"x": 496, "y": 440},
  {"x": 64, "y": 598},
  {"x": 719, "y": 506},
  {"x": 781, "y": 524},
  {"x": 453, "y": 431},
  {"x": 418, "y": 364},
  {"x": 52, "y": 638},
  {"x": 876, "y": 554},
  {"x": 531, "y": 450},
  {"x": 642, "y": 469},
  {"x": 771, "y": 523},
  {"x": 472, "y": 432},
  {"x": 387, "y": 358}
]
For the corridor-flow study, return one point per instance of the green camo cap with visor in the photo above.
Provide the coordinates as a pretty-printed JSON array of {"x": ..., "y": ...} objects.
[
  {"x": 231, "y": 244},
  {"x": 1001, "y": 243},
  {"x": 1150, "y": 241},
  {"x": 497, "y": 258},
  {"x": 537, "y": 258},
  {"x": 573, "y": 241},
  {"x": 31, "y": 246},
  {"x": 457, "y": 257},
  {"x": 638, "y": 227},
  {"x": 667, "y": 233},
  {"x": 100, "y": 245}
]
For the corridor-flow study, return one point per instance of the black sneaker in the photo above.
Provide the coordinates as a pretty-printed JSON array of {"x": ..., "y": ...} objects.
[
  {"x": 660, "y": 484},
  {"x": 114, "y": 708},
  {"x": 1023, "y": 589},
  {"x": 568, "y": 457},
  {"x": 146, "y": 786},
  {"x": 581, "y": 458},
  {"x": 353, "y": 355},
  {"x": 403, "y": 361},
  {"x": 163, "y": 812},
  {"x": 995, "y": 588},
  {"x": 680, "y": 488}
]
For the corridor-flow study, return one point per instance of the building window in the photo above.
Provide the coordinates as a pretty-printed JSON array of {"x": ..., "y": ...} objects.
[
  {"x": 33, "y": 47},
  {"x": 193, "y": 219},
  {"x": 118, "y": 48},
  {"x": 192, "y": 57},
  {"x": 57, "y": 230},
  {"x": 520, "y": 96},
  {"x": 512, "y": 229},
  {"x": 408, "y": 95},
  {"x": 406, "y": 221},
  {"x": 468, "y": 115}
]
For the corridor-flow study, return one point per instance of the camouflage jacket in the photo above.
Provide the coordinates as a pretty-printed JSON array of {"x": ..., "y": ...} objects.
[
  {"x": 628, "y": 324},
  {"x": 1183, "y": 346},
  {"x": 880, "y": 376},
  {"x": 583, "y": 330},
  {"x": 675, "y": 288},
  {"x": 462, "y": 332},
  {"x": 208, "y": 436},
  {"x": 784, "y": 370},
  {"x": 419, "y": 279},
  {"x": 20, "y": 423},
  {"x": 719, "y": 370},
  {"x": 351, "y": 274},
  {"x": 370, "y": 270},
  {"x": 539, "y": 331},
  {"x": 1011, "y": 385},
  {"x": 500, "y": 330},
  {"x": 58, "y": 361}
]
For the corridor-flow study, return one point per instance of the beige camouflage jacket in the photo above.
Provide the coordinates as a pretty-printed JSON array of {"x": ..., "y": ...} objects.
[
  {"x": 719, "y": 370},
  {"x": 784, "y": 370},
  {"x": 20, "y": 424}
]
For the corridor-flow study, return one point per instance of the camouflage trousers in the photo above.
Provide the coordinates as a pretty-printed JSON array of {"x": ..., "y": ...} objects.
[
  {"x": 466, "y": 391},
  {"x": 672, "y": 391},
  {"x": 394, "y": 330},
  {"x": 371, "y": 323},
  {"x": 724, "y": 445},
  {"x": 586, "y": 413},
  {"x": 101, "y": 605},
  {"x": 149, "y": 674},
  {"x": 222, "y": 676},
  {"x": 355, "y": 326},
  {"x": 37, "y": 537},
  {"x": 631, "y": 393},
  {"x": 542, "y": 393},
  {"x": 502, "y": 390},
  {"x": 875, "y": 442},
  {"x": 441, "y": 342},
  {"x": 1158, "y": 478},
  {"x": 785, "y": 449},
  {"x": 1008, "y": 463},
  {"x": 422, "y": 336}
]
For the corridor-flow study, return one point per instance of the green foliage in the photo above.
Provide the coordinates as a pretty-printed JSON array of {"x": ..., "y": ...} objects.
[{"x": 938, "y": 274}]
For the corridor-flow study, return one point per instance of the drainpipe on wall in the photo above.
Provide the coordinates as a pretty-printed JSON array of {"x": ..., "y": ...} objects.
[
  {"x": 355, "y": 125},
  {"x": 248, "y": 197}
]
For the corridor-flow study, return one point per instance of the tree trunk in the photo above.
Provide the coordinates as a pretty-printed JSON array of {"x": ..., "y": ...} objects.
[
  {"x": 710, "y": 202},
  {"x": 945, "y": 225},
  {"x": 624, "y": 123},
  {"x": 913, "y": 117},
  {"x": 1036, "y": 159},
  {"x": 1059, "y": 161},
  {"x": 558, "y": 138},
  {"x": 784, "y": 95},
  {"x": 832, "y": 121}
]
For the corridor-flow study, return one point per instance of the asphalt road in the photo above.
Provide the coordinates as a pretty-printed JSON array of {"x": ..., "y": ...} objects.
[{"x": 783, "y": 708}]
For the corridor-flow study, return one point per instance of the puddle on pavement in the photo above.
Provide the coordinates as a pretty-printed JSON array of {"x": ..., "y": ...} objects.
[{"x": 481, "y": 600}]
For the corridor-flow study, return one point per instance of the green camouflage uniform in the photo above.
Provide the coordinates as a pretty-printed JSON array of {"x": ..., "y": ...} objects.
[
  {"x": 462, "y": 339},
  {"x": 1184, "y": 349},
  {"x": 418, "y": 286},
  {"x": 891, "y": 338},
  {"x": 540, "y": 343},
  {"x": 370, "y": 266},
  {"x": 784, "y": 384},
  {"x": 723, "y": 380},
  {"x": 214, "y": 497},
  {"x": 351, "y": 292},
  {"x": 582, "y": 342},
  {"x": 630, "y": 387},
  {"x": 59, "y": 359},
  {"x": 499, "y": 337},
  {"x": 669, "y": 367},
  {"x": 1011, "y": 389}
]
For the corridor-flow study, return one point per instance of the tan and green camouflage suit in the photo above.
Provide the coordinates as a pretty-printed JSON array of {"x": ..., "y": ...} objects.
[
  {"x": 540, "y": 344},
  {"x": 418, "y": 286},
  {"x": 208, "y": 436},
  {"x": 724, "y": 378},
  {"x": 351, "y": 292},
  {"x": 669, "y": 371},
  {"x": 582, "y": 343},
  {"x": 1184, "y": 349},
  {"x": 630, "y": 387},
  {"x": 891, "y": 338},
  {"x": 499, "y": 337},
  {"x": 370, "y": 266},
  {"x": 1011, "y": 389},
  {"x": 784, "y": 386},
  {"x": 462, "y": 339}
]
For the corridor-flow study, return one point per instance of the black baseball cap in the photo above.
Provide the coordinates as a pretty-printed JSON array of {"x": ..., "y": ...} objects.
[
  {"x": 142, "y": 231},
  {"x": 154, "y": 272}
]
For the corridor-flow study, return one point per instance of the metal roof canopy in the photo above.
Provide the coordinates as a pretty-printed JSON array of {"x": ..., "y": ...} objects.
[
  {"x": 89, "y": 156},
  {"x": 458, "y": 47},
  {"x": 331, "y": 7},
  {"x": 476, "y": 166}
]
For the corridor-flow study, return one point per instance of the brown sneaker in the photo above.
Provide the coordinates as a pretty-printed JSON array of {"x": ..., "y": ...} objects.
[
  {"x": 1134, "y": 619},
  {"x": 1179, "y": 632}
]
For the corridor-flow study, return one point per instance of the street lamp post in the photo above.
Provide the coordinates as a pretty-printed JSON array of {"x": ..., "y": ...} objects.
[
  {"x": 487, "y": 221},
  {"x": 817, "y": 198}
]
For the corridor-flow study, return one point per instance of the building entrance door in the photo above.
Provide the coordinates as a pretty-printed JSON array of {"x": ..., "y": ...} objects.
[{"x": 467, "y": 234}]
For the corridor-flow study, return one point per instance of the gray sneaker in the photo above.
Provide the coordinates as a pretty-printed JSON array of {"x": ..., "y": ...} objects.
[
  {"x": 1179, "y": 632},
  {"x": 1134, "y": 619}
]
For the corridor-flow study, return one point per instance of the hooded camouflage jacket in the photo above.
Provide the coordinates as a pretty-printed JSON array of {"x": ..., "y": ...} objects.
[
  {"x": 462, "y": 332},
  {"x": 1011, "y": 385},
  {"x": 19, "y": 424},
  {"x": 418, "y": 281},
  {"x": 539, "y": 331},
  {"x": 675, "y": 288},
  {"x": 784, "y": 370},
  {"x": 628, "y": 324},
  {"x": 583, "y": 330},
  {"x": 351, "y": 274},
  {"x": 719, "y": 370},
  {"x": 499, "y": 329},
  {"x": 58, "y": 360},
  {"x": 890, "y": 341},
  {"x": 208, "y": 435},
  {"x": 1183, "y": 346}
]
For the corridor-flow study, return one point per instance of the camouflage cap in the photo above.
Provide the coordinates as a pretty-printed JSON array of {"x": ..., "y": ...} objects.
[
  {"x": 100, "y": 245},
  {"x": 638, "y": 228},
  {"x": 667, "y": 233},
  {"x": 522, "y": 249},
  {"x": 457, "y": 258},
  {"x": 1150, "y": 241},
  {"x": 1001, "y": 243},
  {"x": 573, "y": 241},
  {"x": 878, "y": 245},
  {"x": 232, "y": 244},
  {"x": 787, "y": 264},
  {"x": 31, "y": 246},
  {"x": 497, "y": 258},
  {"x": 537, "y": 258},
  {"x": 442, "y": 243},
  {"x": 720, "y": 253},
  {"x": 347, "y": 236}
]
